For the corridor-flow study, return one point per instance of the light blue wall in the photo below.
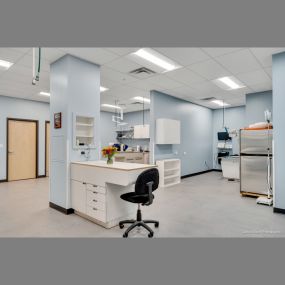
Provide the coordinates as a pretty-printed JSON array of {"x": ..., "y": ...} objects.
[
  {"x": 278, "y": 80},
  {"x": 196, "y": 132},
  {"x": 256, "y": 104},
  {"x": 108, "y": 129},
  {"x": 23, "y": 109},
  {"x": 234, "y": 119},
  {"x": 75, "y": 89}
]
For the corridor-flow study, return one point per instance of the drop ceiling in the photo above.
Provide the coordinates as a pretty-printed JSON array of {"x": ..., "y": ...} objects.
[{"x": 192, "y": 82}]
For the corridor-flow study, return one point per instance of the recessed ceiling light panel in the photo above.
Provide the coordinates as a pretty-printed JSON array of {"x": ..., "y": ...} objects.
[
  {"x": 228, "y": 83},
  {"x": 141, "y": 99},
  {"x": 154, "y": 59},
  {"x": 43, "y": 93},
  {"x": 111, "y": 106},
  {"x": 103, "y": 89},
  {"x": 4, "y": 65},
  {"x": 221, "y": 103}
]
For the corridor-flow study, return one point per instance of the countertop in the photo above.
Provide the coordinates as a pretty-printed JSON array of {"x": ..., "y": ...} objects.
[
  {"x": 120, "y": 152},
  {"x": 116, "y": 165}
]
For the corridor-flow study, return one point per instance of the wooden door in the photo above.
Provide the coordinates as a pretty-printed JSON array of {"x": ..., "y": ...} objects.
[
  {"x": 22, "y": 149},
  {"x": 47, "y": 147}
]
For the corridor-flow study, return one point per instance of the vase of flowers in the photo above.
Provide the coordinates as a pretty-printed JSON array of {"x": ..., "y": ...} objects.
[{"x": 109, "y": 152}]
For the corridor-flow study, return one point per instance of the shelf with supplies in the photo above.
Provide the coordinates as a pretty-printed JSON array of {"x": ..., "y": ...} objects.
[
  {"x": 224, "y": 145},
  {"x": 83, "y": 131},
  {"x": 169, "y": 172}
]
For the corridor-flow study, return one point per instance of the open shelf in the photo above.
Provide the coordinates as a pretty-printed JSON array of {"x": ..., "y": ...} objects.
[
  {"x": 169, "y": 172},
  {"x": 83, "y": 132}
]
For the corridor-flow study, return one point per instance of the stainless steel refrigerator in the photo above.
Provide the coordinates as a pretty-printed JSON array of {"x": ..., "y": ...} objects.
[{"x": 254, "y": 145}]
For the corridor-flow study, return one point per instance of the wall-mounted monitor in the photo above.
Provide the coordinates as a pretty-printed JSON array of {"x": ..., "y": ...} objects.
[{"x": 223, "y": 136}]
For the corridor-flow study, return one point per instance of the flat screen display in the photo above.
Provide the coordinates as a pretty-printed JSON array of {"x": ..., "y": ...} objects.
[{"x": 223, "y": 136}]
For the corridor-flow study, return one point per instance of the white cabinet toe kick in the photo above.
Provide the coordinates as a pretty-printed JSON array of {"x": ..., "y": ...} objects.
[{"x": 96, "y": 189}]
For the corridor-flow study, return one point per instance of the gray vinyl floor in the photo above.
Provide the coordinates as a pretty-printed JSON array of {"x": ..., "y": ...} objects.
[{"x": 201, "y": 206}]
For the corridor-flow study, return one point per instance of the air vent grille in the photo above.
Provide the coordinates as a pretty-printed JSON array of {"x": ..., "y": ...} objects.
[
  {"x": 208, "y": 99},
  {"x": 142, "y": 72}
]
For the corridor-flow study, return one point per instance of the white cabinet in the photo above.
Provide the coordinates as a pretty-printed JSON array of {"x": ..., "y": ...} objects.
[
  {"x": 141, "y": 132},
  {"x": 167, "y": 131},
  {"x": 78, "y": 196},
  {"x": 169, "y": 172}
]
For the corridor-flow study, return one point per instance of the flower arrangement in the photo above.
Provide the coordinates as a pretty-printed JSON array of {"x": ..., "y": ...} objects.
[{"x": 109, "y": 152}]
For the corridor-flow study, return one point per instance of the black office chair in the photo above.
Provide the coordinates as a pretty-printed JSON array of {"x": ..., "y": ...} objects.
[{"x": 146, "y": 183}]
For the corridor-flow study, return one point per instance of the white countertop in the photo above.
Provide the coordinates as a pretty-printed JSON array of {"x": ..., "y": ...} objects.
[{"x": 116, "y": 165}]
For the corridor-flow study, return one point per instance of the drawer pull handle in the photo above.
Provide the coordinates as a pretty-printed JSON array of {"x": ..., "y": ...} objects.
[
  {"x": 94, "y": 192},
  {"x": 95, "y": 209},
  {"x": 84, "y": 183},
  {"x": 95, "y": 200},
  {"x": 94, "y": 185}
]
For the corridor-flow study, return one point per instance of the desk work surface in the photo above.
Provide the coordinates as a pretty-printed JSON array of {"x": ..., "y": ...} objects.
[{"x": 116, "y": 165}]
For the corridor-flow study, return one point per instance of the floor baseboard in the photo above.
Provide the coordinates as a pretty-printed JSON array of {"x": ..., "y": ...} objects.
[
  {"x": 3, "y": 180},
  {"x": 42, "y": 176},
  {"x": 61, "y": 209},
  {"x": 278, "y": 210},
  {"x": 196, "y": 173}
]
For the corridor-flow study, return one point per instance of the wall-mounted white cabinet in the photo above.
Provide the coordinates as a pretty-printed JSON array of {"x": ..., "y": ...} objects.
[
  {"x": 83, "y": 132},
  {"x": 141, "y": 132},
  {"x": 167, "y": 131}
]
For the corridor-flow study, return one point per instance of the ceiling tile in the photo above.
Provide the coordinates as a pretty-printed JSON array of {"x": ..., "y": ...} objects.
[
  {"x": 123, "y": 65},
  {"x": 184, "y": 56},
  {"x": 219, "y": 51},
  {"x": 209, "y": 69},
  {"x": 239, "y": 62},
  {"x": 27, "y": 61},
  {"x": 254, "y": 77},
  {"x": 95, "y": 55},
  {"x": 146, "y": 84},
  {"x": 184, "y": 91},
  {"x": 122, "y": 51},
  {"x": 164, "y": 82},
  {"x": 50, "y": 54},
  {"x": 185, "y": 76},
  {"x": 264, "y": 55},
  {"x": 205, "y": 88},
  {"x": 262, "y": 87},
  {"x": 268, "y": 70},
  {"x": 10, "y": 55},
  {"x": 116, "y": 76}
]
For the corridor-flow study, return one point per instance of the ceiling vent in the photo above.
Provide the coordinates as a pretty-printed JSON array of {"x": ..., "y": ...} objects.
[
  {"x": 142, "y": 72},
  {"x": 208, "y": 99}
]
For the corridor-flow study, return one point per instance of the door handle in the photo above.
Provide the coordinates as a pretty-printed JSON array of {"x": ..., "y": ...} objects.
[{"x": 10, "y": 152}]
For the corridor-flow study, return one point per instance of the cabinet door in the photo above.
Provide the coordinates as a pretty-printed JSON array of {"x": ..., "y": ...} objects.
[{"x": 78, "y": 196}]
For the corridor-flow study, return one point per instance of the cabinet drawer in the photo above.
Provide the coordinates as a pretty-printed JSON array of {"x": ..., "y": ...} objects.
[
  {"x": 99, "y": 215},
  {"x": 93, "y": 195},
  {"x": 96, "y": 204},
  {"x": 95, "y": 188}
]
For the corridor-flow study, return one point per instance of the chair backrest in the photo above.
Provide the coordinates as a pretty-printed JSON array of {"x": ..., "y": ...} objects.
[{"x": 148, "y": 175}]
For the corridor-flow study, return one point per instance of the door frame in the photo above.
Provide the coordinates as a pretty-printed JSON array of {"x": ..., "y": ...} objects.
[
  {"x": 7, "y": 143},
  {"x": 46, "y": 122}
]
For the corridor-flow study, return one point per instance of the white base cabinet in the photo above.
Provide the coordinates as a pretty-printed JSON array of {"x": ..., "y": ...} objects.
[
  {"x": 169, "y": 172},
  {"x": 96, "y": 191}
]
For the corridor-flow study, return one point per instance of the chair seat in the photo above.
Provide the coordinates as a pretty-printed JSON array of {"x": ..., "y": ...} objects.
[{"x": 135, "y": 198}]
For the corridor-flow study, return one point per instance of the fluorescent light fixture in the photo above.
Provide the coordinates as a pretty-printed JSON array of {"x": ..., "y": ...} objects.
[
  {"x": 157, "y": 59},
  {"x": 141, "y": 99},
  {"x": 44, "y": 93},
  {"x": 111, "y": 106},
  {"x": 5, "y": 64},
  {"x": 102, "y": 88},
  {"x": 220, "y": 103},
  {"x": 228, "y": 83}
]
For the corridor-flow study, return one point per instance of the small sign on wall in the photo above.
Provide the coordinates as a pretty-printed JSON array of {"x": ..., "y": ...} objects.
[{"x": 57, "y": 120}]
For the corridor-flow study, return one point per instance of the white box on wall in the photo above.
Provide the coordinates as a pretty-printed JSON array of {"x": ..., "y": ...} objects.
[
  {"x": 141, "y": 131},
  {"x": 167, "y": 131}
]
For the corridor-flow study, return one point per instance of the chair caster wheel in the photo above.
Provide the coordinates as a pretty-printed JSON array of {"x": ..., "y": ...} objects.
[
  {"x": 121, "y": 226},
  {"x": 150, "y": 235},
  {"x": 125, "y": 235},
  {"x": 156, "y": 225}
]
